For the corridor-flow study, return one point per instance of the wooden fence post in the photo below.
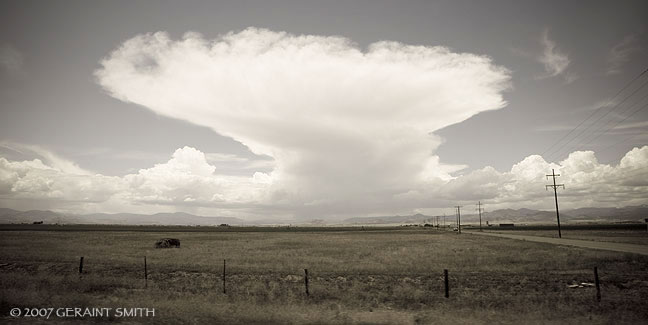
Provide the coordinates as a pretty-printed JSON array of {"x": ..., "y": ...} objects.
[
  {"x": 145, "y": 273},
  {"x": 598, "y": 285},
  {"x": 447, "y": 287},
  {"x": 224, "y": 290},
  {"x": 306, "y": 281},
  {"x": 81, "y": 265}
]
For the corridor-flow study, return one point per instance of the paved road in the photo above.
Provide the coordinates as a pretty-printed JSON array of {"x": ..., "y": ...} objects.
[{"x": 617, "y": 247}]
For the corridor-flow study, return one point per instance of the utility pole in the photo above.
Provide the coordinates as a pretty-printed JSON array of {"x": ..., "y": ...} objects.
[
  {"x": 555, "y": 188},
  {"x": 480, "y": 211},
  {"x": 445, "y": 226},
  {"x": 458, "y": 218}
]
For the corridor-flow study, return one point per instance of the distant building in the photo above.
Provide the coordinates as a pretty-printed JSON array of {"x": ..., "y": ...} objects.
[{"x": 506, "y": 225}]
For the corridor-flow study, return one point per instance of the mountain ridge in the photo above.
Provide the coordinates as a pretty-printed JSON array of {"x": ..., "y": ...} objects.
[{"x": 522, "y": 215}]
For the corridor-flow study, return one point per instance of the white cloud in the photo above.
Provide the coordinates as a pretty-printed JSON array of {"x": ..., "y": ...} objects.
[
  {"x": 587, "y": 182},
  {"x": 187, "y": 182},
  {"x": 51, "y": 159},
  {"x": 341, "y": 124},
  {"x": 620, "y": 54},
  {"x": 555, "y": 62},
  {"x": 233, "y": 164},
  {"x": 188, "y": 177},
  {"x": 348, "y": 133},
  {"x": 34, "y": 180}
]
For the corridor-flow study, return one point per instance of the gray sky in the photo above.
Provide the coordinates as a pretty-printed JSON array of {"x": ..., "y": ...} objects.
[{"x": 553, "y": 63}]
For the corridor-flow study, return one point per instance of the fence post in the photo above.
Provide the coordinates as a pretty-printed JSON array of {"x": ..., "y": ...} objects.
[
  {"x": 145, "y": 274},
  {"x": 447, "y": 287},
  {"x": 306, "y": 281},
  {"x": 81, "y": 265},
  {"x": 598, "y": 285},
  {"x": 224, "y": 290}
]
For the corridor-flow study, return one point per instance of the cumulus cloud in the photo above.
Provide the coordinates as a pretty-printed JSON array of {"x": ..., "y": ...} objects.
[
  {"x": 340, "y": 123},
  {"x": 34, "y": 180},
  {"x": 587, "y": 182},
  {"x": 188, "y": 182},
  {"x": 346, "y": 131},
  {"x": 620, "y": 53},
  {"x": 555, "y": 62},
  {"x": 55, "y": 161},
  {"x": 187, "y": 178}
]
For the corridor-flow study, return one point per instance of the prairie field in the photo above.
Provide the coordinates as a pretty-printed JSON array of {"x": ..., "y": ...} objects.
[{"x": 372, "y": 276}]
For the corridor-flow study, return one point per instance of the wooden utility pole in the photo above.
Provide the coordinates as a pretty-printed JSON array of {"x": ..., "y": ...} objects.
[
  {"x": 480, "y": 211},
  {"x": 555, "y": 188},
  {"x": 458, "y": 218}
]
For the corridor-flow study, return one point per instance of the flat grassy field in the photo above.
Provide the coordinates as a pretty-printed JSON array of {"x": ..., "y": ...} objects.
[{"x": 390, "y": 276}]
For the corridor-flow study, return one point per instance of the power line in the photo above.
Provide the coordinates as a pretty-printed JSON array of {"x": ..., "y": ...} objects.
[
  {"x": 592, "y": 132},
  {"x": 559, "y": 148},
  {"x": 583, "y": 121},
  {"x": 619, "y": 122},
  {"x": 556, "y": 149},
  {"x": 594, "y": 112}
]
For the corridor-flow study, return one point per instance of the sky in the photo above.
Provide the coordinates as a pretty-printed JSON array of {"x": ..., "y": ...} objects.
[{"x": 300, "y": 110}]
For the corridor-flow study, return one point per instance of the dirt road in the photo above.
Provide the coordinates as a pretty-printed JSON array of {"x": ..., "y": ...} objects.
[{"x": 617, "y": 247}]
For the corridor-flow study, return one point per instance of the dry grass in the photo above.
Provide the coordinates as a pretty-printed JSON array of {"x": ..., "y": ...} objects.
[{"x": 389, "y": 277}]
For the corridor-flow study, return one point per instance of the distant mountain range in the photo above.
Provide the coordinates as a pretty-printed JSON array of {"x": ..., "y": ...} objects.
[
  {"x": 527, "y": 216},
  {"x": 519, "y": 216},
  {"x": 413, "y": 219}
]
